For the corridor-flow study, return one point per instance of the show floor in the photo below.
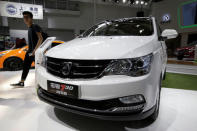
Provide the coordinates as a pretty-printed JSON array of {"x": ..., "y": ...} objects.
[
  {"x": 20, "y": 110},
  {"x": 182, "y": 69}
]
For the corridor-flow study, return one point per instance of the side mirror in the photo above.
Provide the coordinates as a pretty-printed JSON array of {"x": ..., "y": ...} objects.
[{"x": 169, "y": 34}]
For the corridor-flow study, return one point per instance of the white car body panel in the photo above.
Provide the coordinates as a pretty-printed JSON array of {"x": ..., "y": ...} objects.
[
  {"x": 109, "y": 87},
  {"x": 110, "y": 47},
  {"x": 119, "y": 47}
]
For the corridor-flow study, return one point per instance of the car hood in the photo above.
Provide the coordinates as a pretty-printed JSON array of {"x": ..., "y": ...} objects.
[
  {"x": 4, "y": 52},
  {"x": 11, "y": 51},
  {"x": 100, "y": 47}
]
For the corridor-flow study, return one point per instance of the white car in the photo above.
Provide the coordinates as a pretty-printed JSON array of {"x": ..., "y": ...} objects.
[{"x": 113, "y": 71}]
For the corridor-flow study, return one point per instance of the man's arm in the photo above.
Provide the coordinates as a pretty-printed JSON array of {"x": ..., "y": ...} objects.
[{"x": 40, "y": 40}]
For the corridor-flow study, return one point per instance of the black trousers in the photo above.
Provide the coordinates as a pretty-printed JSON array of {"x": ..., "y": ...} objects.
[{"x": 27, "y": 65}]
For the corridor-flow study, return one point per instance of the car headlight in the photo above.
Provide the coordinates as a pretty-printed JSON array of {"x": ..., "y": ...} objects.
[
  {"x": 2, "y": 54},
  {"x": 131, "y": 67}
]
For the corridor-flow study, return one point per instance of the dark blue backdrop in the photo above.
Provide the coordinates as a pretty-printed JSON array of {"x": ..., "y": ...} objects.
[{"x": 189, "y": 14}]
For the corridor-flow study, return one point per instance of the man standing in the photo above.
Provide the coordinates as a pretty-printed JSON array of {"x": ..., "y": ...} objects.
[{"x": 35, "y": 39}]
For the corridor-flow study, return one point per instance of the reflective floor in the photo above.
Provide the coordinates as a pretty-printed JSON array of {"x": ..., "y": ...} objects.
[{"x": 20, "y": 110}]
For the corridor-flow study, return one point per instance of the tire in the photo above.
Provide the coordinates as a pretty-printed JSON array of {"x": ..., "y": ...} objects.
[
  {"x": 180, "y": 57},
  {"x": 155, "y": 114},
  {"x": 13, "y": 64}
]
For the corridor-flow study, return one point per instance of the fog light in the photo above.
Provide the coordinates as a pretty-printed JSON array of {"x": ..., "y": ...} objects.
[
  {"x": 128, "y": 109},
  {"x": 132, "y": 99}
]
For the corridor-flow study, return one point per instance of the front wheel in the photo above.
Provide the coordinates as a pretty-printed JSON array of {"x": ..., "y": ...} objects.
[{"x": 13, "y": 64}]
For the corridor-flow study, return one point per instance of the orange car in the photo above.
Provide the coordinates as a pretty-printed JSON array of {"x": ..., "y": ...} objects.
[{"x": 13, "y": 59}]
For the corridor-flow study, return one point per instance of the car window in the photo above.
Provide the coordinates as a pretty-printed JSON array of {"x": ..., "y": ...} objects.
[{"x": 128, "y": 27}]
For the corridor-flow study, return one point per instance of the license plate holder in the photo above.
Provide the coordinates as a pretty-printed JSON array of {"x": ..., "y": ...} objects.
[{"x": 63, "y": 89}]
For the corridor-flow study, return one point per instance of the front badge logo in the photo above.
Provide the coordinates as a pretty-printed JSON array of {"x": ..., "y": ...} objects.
[{"x": 66, "y": 68}]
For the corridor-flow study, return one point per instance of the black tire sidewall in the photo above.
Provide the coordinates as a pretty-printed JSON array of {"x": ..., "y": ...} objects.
[{"x": 8, "y": 66}]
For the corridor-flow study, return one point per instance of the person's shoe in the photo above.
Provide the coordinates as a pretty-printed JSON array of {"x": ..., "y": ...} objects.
[{"x": 19, "y": 85}]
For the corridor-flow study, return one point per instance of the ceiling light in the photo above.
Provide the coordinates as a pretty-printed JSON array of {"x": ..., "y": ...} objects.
[
  {"x": 124, "y": 1},
  {"x": 142, "y": 2},
  {"x": 136, "y": 2}
]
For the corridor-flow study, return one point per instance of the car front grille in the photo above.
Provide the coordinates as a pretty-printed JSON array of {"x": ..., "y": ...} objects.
[{"x": 77, "y": 69}]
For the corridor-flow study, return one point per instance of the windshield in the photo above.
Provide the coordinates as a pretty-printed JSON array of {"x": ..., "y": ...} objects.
[{"x": 125, "y": 27}]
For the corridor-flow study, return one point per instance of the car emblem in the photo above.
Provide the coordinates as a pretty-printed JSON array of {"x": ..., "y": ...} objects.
[{"x": 66, "y": 68}]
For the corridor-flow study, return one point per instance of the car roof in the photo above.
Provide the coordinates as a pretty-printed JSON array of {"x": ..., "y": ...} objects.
[{"x": 129, "y": 18}]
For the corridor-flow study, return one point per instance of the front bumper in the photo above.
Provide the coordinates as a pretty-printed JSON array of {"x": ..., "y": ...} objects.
[
  {"x": 73, "y": 105},
  {"x": 108, "y": 87},
  {"x": 104, "y": 89}
]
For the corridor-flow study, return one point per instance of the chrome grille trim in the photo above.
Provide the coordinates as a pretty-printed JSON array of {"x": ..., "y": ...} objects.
[
  {"x": 85, "y": 73},
  {"x": 81, "y": 69},
  {"x": 53, "y": 69},
  {"x": 54, "y": 63},
  {"x": 97, "y": 66}
]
